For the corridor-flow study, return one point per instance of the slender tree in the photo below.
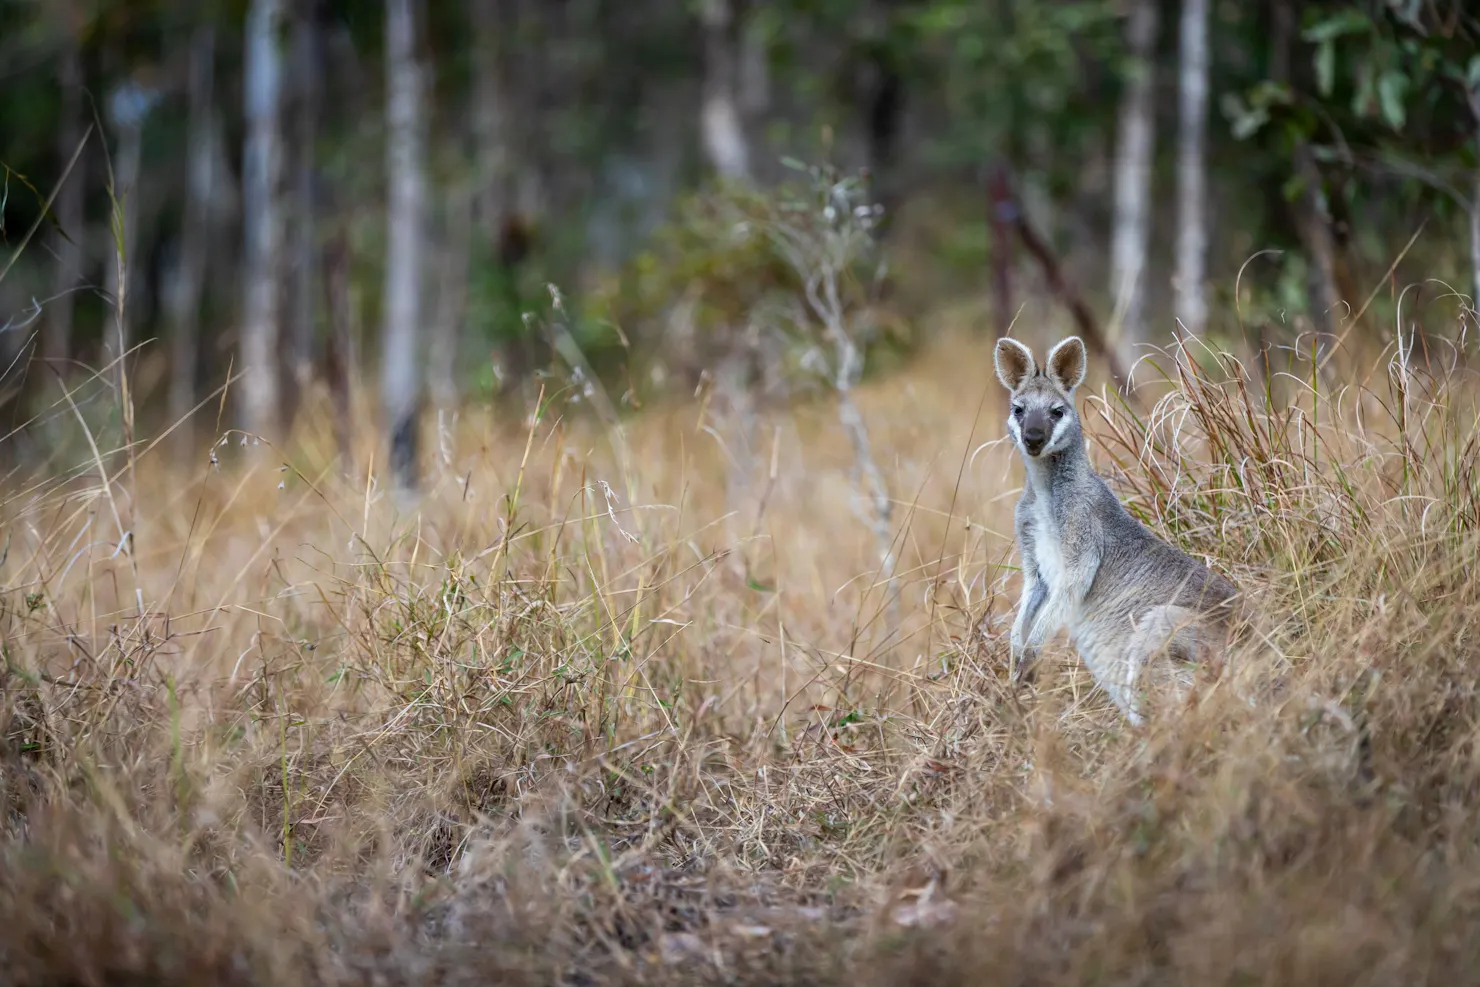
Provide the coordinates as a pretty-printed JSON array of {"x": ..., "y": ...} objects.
[
  {"x": 1473, "y": 95},
  {"x": 129, "y": 104},
  {"x": 56, "y": 347},
  {"x": 452, "y": 261},
  {"x": 721, "y": 122},
  {"x": 302, "y": 246},
  {"x": 1133, "y": 160},
  {"x": 490, "y": 115},
  {"x": 1192, "y": 181},
  {"x": 1312, "y": 212},
  {"x": 262, "y": 219},
  {"x": 405, "y": 221},
  {"x": 194, "y": 244},
  {"x": 479, "y": 211}
]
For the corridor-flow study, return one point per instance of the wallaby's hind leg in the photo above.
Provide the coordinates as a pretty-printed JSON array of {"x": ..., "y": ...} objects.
[
  {"x": 1153, "y": 652},
  {"x": 1167, "y": 640}
]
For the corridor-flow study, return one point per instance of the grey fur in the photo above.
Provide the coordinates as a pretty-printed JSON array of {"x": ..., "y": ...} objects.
[{"x": 1124, "y": 595}]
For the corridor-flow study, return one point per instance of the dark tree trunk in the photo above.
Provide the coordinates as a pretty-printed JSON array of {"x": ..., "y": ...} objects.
[
  {"x": 340, "y": 351},
  {"x": 195, "y": 239},
  {"x": 1004, "y": 208},
  {"x": 302, "y": 275},
  {"x": 57, "y": 341},
  {"x": 1134, "y": 157},
  {"x": 1312, "y": 217}
]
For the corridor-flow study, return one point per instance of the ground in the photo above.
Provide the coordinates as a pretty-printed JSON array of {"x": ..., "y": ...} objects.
[{"x": 635, "y": 706}]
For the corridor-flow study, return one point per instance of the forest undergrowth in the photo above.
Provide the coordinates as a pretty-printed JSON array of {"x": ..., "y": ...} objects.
[{"x": 625, "y": 706}]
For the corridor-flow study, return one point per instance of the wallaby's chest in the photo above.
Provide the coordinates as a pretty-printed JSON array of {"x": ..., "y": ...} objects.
[{"x": 1048, "y": 544}]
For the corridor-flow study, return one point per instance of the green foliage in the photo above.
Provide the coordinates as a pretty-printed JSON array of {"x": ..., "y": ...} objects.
[
  {"x": 1383, "y": 83},
  {"x": 1385, "y": 95},
  {"x": 1011, "y": 65},
  {"x": 1386, "y": 61},
  {"x": 738, "y": 268},
  {"x": 714, "y": 248}
]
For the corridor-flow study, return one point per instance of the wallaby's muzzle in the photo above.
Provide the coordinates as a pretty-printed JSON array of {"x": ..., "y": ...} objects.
[{"x": 1036, "y": 433}]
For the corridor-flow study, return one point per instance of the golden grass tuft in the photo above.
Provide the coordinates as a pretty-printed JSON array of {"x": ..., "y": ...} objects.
[{"x": 563, "y": 721}]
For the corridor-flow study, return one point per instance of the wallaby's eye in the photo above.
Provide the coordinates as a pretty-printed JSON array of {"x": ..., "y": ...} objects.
[
  {"x": 1017, "y": 411},
  {"x": 1056, "y": 412}
]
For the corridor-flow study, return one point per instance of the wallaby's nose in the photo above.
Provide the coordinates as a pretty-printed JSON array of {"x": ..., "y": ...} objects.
[{"x": 1034, "y": 436}]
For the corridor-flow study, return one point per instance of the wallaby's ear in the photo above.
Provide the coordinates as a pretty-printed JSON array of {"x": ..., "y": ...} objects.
[
  {"x": 1014, "y": 361},
  {"x": 1067, "y": 363}
]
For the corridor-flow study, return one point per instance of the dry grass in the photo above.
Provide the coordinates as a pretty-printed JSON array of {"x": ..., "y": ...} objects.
[{"x": 569, "y": 723}]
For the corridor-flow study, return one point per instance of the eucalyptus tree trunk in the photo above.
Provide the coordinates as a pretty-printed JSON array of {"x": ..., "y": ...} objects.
[
  {"x": 184, "y": 297},
  {"x": 452, "y": 260},
  {"x": 128, "y": 106},
  {"x": 56, "y": 344},
  {"x": 478, "y": 214},
  {"x": 1133, "y": 162},
  {"x": 1192, "y": 177},
  {"x": 491, "y": 116},
  {"x": 1475, "y": 238},
  {"x": 754, "y": 72},
  {"x": 1475, "y": 205},
  {"x": 302, "y": 246},
  {"x": 1312, "y": 213},
  {"x": 262, "y": 220},
  {"x": 721, "y": 121},
  {"x": 405, "y": 222}
]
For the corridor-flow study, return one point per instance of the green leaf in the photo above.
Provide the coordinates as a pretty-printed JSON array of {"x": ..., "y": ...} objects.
[
  {"x": 1392, "y": 86},
  {"x": 1325, "y": 67},
  {"x": 49, "y": 215},
  {"x": 1472, "y": 74},
  {"x": 1346, "y": 22},
  {"x": 1270, "y": 93},
  {"x": 1293, "y": 188},
  {"x": 1247, "y": 126},
  {"x": 1244, "y": 120},
  {"x": 1365, "y": 96}
]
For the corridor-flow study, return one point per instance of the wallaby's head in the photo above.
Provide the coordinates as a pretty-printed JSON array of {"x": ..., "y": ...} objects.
[{"x": 1043, "y": 420}]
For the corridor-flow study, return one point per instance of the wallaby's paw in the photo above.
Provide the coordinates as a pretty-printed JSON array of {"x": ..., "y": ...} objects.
[{"x": 1024, "y": 667}]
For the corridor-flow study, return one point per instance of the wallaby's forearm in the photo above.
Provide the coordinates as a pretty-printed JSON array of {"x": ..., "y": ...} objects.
[{"x": 1063, "y": 603}]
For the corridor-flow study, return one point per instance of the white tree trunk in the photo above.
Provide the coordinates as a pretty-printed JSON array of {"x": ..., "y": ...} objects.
[
  {"x": 262, "y": 219},
  {"x": 720, "y": 119},
  {"x": 405, "y": 219},
  {"x": 183, "y": 300},
  {"x": 1192, "y": 213},
  {"x": 1133, "y": 161}
]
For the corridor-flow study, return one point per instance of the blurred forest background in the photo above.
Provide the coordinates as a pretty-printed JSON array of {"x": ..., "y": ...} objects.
[
  {"x": 344, "y": 209},
  {"x": 690, "y": 664}
]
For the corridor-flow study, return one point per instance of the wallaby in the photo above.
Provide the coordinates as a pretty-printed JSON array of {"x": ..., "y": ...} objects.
[{"x": 1124, "y": 595}]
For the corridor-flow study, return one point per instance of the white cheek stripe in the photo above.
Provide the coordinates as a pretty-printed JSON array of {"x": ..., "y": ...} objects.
[{"x": 1059, "y": 428}]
